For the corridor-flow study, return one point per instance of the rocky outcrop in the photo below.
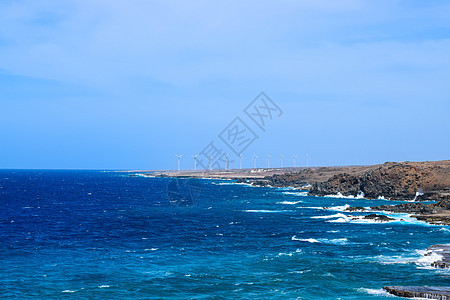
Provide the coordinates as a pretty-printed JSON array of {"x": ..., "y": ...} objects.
[
  {"x": 379, "y": 218},
  {"x": 428, "y": 292},
  {"x": 443, "y": 252},
  {"x": 436, "y": 213},
  {"x": 397, "y": 181}
]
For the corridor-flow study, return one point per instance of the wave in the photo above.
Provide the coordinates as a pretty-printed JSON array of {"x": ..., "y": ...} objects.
[
  {"x": 429, "y": 257},
  {"x": 375, "y": 292},
  {"x": 422, "y": 258},
  {"x": 341, "y": 241},
  {"x": 357, "y": 219},
  {"x": 330, "y": 216},
  {"x": 289, "y": 202},
  {"x": 294, "y": 238},
  {"x": 334, "y": 208},
  {"x": 340, "y": 196},
  {"x": 289, "y": 253},
  {"x": 266, "y": 211},
  {"x": 296, "y": 193}
]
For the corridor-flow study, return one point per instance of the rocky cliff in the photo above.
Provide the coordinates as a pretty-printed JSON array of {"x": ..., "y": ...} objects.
[{"x": 397, "y": 181}]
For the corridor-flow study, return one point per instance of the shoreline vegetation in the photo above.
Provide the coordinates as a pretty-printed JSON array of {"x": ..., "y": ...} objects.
[{"x": 414, "y": 182}]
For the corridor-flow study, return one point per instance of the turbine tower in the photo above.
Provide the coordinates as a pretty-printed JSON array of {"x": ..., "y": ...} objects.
[
  {"x": 268, "y": 160},
  {"x": 178, "y": 157},
  {"x": 241, "y": 157},
  {"x": 195, "y": 161},
  {"x": 210, "y": 162},
  {"x": 294, "y": 157},
  {"x": 307, "y": 159},
  {"x": 226, "y": 161},
  {"x": 254, "y": 160},
  {"x": 281, "y": 158}
]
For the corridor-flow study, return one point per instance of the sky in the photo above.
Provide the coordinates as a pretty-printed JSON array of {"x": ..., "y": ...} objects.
[{"x": 108, "y": 84}]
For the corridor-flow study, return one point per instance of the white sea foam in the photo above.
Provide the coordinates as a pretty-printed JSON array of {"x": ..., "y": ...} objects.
[
  {"x": 357, "y": 219},
  {"x": 333, "y": 208},
  {"x": 289, "y": 253},
  {"x": 338, "y": 208},
  {"x": 103, "y": 286},
  {"x": 422, "y": 258},
  {"x": 339, "y": 215},
  {"x": 296, "y": 193},
  {"x": 226, "y": 183},
  {"x": 341, "y": 241},
  {"x": 289, "y": 202},
  {"x": 375, "y": 292},
  {"x": 68, "y": 291},
  {"x": 340, "y": 196},
  {"x": 265, "y": 211},
  {"x": 294, "y": 238},
  {"x": 429, "y": 257}
]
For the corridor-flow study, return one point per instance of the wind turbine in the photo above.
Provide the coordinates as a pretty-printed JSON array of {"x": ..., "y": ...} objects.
[
  {"x": 268, "y": 160},
  {"x": 178, "y": 157},
  {"x": 226, "y": 161},
  {"x": 241, "y": 157},
  {"x": 195, "y": 161},
  {"x": 294, "y": 157},
  {"x": 254, "y": 159},
  {"x": 281, "y": 158},
  {"x": 210, "y": 162}
]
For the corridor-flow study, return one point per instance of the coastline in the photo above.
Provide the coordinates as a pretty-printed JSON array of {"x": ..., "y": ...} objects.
[{"x": 413, "y": 182}]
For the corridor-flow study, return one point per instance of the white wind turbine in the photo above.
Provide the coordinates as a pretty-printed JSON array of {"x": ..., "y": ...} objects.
[
  {"x": 241, "y": 157},
  {"x": 210, "y": 162},
  {"x": 226, "y": 161},
  {"x": 307, "y": 159},
  {"x": 268, "y": 160},
  {"x": 254, "y": 159},
  {"x": 195, "y": 161},
  {"x": 178, "y": 158},
  {"x": 294, "y": 157},
  {"x": 281, "y": 158}
]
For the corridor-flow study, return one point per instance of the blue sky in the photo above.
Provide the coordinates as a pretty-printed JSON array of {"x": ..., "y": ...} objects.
[{"x": 128, "y": 84}]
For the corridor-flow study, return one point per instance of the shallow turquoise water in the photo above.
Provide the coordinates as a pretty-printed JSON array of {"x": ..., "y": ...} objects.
[{"x": 105, "y": 235}]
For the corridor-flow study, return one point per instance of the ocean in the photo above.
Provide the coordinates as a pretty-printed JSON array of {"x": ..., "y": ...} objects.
[{"x": 106, "y": 235}]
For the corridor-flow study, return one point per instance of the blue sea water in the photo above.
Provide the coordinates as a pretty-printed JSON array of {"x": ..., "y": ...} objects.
[{"x": 105, "y": 235}]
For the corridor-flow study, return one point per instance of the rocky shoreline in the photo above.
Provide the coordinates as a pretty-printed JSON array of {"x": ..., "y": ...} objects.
[
  {"x": 442, "y": 252},
  {"x": 410, "y": 181},
  {"x": 404, "y": 181}
]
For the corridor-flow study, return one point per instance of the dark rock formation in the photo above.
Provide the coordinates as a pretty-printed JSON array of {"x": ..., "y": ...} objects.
[
  {"x": 355, "y": 208},
  {"x": 436, "y": 213},
  {"x": 380, "y": 218},
  {"x": 397, "y": 181},
  {"x": 392, "y": 180},
  {"x": 428, "y": 292},
  {"x": 342, "y": 183},
  {"x": 444, "y": 251}
]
